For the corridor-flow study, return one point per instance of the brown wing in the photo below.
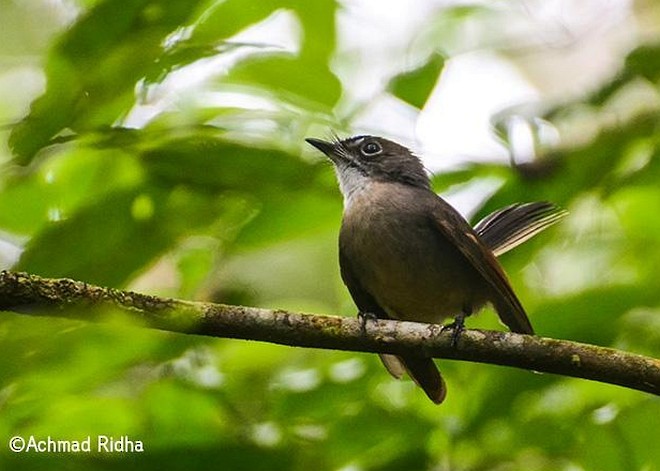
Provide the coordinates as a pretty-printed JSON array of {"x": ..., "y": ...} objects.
[{"x": 451, "y": 225}]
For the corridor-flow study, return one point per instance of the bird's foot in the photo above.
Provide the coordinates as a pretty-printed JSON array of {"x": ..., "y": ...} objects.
[
  {"x": 457, "y": 327},
  {"x": 365, "y": 317}
]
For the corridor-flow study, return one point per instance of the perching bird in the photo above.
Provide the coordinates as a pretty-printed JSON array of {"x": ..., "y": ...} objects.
[{"x": 406, "y": 254}]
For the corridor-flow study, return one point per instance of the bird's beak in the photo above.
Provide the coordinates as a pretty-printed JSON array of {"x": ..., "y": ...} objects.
[{"x": 328, "y": 148}]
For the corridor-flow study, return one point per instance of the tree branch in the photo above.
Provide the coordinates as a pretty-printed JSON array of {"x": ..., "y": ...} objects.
[{"x": 31, "y": 294}]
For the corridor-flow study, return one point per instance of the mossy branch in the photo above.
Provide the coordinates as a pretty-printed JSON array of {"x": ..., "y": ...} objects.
[{"x": 34, "y": 295}]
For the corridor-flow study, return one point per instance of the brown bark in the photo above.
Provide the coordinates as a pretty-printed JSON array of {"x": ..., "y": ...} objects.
[{"x": 34, "y": 295}]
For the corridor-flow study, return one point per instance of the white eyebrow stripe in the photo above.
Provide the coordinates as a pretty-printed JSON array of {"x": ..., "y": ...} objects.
[{"x": 359, "y": 140}]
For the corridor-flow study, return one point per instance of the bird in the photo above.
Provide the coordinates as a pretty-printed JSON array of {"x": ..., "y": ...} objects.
[{"x": 407, "y": 254}]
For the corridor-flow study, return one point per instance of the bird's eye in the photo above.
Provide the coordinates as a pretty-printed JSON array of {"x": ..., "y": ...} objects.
[{"x": 371, "y": 148}]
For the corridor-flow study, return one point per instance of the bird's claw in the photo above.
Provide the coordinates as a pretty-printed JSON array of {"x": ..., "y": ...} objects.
[
  {"x": 457, "y": 327},
  {"x": 365, "y": 317}
]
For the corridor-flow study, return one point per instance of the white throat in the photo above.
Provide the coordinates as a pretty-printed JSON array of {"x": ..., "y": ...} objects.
[{"x": 352, "y": 182}]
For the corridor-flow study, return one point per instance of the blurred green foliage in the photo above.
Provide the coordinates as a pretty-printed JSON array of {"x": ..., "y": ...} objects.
[{"x": 219, "y": 201}]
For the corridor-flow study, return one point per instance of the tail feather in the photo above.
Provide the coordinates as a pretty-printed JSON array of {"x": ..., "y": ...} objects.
[
  {"x": 513, "y": 318},
  {"x": 393, "y": 365},
  {"x": 422, "y": 370},
  {"x": 509, "y": 227}
]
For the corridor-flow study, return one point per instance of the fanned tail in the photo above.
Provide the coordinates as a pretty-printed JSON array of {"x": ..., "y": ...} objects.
[{"x": 509, "y": 227}]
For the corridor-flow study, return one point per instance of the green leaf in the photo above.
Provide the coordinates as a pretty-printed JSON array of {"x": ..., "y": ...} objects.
[
  {"x": 303, "y": 82},
  {"x": 209, "y": 163},
  {"x": 54, "y": 190},
  {"x": 445, "y": 180},
  {"x": 289, "y": 215},
  {"x": 573, "y": 317},
  {"x": 92, "y": 71},
  {"x": 112, "y": 239},
  {"x": 186, "y": 52},
  {"x": 415, "y": 86},
  {"x": 642, "y": 62},
  {"x": 304, "y": 78}
]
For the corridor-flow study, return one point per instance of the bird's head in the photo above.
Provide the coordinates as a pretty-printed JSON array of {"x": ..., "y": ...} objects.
[{"x": 361, "y": 159}]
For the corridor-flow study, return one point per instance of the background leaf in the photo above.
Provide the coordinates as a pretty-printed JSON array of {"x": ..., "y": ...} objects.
[
  {"x": 159, "y": 146},
  {"x": 415, "y": 86}
]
